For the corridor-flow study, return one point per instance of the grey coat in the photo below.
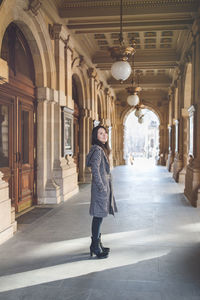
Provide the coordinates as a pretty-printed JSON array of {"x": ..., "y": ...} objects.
[{"x": 102, "y": 198}]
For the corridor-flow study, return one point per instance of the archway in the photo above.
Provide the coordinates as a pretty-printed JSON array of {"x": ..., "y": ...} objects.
[
  {"x": 141, "y": 140},
  {"x": 17, "y": 125}
]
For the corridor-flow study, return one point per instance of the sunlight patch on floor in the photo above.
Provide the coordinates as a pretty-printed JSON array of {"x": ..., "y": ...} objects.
[
  {"x": 82, "y": 264},
  {"x": 76, "y": 269}
]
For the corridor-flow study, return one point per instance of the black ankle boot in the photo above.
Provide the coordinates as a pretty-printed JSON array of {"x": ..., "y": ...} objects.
[
  {"x": 95, "y": 249},
  {"x": 104, "y": 249}
]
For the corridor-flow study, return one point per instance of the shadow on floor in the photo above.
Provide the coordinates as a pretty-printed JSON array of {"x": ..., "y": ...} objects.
[{"x": 174, "y": 276}]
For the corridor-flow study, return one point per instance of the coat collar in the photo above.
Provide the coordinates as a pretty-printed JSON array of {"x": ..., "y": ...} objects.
[{"x": 103, "y": 153}]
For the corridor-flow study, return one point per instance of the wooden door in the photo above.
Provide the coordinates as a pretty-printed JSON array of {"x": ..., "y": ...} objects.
[
  {"x": 17, "y": 124},
  {"x": 6, "y": 144},
  {"x": 25, "y": 155},
  {"x": 17, "y": 149}
]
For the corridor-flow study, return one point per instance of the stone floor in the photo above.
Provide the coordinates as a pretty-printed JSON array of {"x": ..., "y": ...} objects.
[{"x": 154, "y": 240}]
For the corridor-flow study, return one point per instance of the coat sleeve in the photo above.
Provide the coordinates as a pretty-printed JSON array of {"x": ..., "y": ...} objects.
[{"x": 95, "y": 167}]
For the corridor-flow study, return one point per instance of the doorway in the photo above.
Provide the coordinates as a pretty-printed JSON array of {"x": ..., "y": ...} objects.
[
  {"x": 141, "y": 140},
  {"x": 18, "y": 121}
]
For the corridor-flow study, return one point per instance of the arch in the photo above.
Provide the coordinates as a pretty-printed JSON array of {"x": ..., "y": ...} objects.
[
  {"x": 78, "y": 84},
  {"x": 99, "y": 108},
  {"x": 15, "y": 42},
  {"x": 188, "y": 86},
  {"x": 17, "y": 98},
  {"x": 79, "y": 125},
  {"x": 77, "y": 91},
  {"x": 141, "y": 139},
  {"x": 36, "y": 35},
  {"x": 101, "y": 104}
]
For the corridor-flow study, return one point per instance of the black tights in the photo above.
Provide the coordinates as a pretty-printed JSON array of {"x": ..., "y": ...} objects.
[{"x": 96, "y": 224}]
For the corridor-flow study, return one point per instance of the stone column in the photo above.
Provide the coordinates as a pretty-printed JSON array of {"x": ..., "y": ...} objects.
[
  {"x": 178, "y": 153},
  {"x": 68, "y": 74},
  {"x": 59, "y": 54},
  {"x": 185, "y": 143},
  {"x": 92, "y": 105},
  {"x": 7, "y": 224},
  {"x": 47, "y": 189},
  {"x": 107, "y": 105},
  {"x": 178, "y": 124},
  {"x": 172, "y": 152},
  {"x": 119, "y": 145},
  {"x": 162, "y": 137},
  {"x": 169, "y": 159},
  {"x": 86, "y": 122},
  {"x": 192, "y": 179},
  {"x": 56, "y": 175}
]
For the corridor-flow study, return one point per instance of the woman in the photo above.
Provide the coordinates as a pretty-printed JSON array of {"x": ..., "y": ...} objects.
[{"x": 102, "y": 198}]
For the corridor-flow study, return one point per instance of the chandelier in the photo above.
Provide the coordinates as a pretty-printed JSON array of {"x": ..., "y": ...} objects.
[
  {"x": 121, "y": 69},
  {"x": 133, "y": 98}
]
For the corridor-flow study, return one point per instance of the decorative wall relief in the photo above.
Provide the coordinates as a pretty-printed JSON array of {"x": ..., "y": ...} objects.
[{"x": 67, "y": 131}]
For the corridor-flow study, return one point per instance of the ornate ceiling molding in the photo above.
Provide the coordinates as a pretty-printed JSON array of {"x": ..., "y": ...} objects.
[
  {"x": 134, "y": 4},
  {"x": 72, "y": 9}
]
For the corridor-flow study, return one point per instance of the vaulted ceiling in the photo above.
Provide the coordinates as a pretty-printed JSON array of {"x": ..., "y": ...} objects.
[{"x": 160, "y": 29}]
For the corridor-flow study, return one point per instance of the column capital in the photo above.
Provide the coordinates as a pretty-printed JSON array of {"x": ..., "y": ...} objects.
[
  {"x": 92, "y": 73},
  {"x": 191, "y": 110},
  {"x": 55, "y": 30},
  {"x": 34, "y": 6},
  {"x": 107, "y": 92}
]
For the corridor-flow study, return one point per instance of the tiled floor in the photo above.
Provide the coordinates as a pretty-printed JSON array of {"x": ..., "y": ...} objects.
[{"x": 154, "y": 240}]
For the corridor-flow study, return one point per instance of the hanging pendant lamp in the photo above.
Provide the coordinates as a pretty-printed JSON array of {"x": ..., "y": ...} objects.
[{"x": 121, "y": 69}]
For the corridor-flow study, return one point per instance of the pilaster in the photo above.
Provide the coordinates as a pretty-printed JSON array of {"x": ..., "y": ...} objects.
[
  {"x": 48, "y": 191},
  {"x": 88, "y": 134},
  {"x": 59, "y": 53},
  {"x": 92, "y": 75},
  {"x": 170, "y": 154},
  {"x": 68, "y": 73},
  {"x": 7, "y": 225}
]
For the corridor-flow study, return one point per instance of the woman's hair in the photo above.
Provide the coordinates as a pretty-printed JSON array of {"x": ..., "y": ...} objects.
[{"x": 95, "y": 140}]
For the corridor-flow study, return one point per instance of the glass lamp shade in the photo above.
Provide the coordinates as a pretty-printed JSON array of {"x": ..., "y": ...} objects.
[
  {"x": 140, "y": 120},
  {"x": 121, "y": 70},
  {"x": 138, "y": 112},
  {"x": 133, "y": 100}
]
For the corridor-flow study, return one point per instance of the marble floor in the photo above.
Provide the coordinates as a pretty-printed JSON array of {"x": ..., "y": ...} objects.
[{"x": 154, "y": 240}]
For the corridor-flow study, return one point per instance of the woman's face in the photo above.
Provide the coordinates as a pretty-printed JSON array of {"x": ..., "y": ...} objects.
[{"x": 102, "y": 135}]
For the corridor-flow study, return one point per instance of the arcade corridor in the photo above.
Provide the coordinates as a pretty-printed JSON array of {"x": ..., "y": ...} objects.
[{"x": 154, "y": 242}]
